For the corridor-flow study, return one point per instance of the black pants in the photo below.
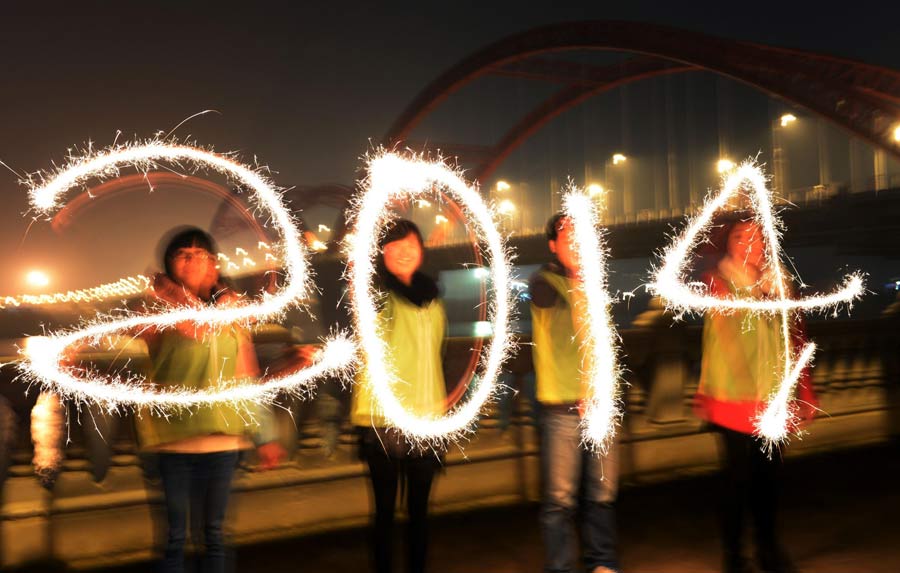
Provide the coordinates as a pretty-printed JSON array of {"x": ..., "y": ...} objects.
[
  {"x": 749, "y": 476},
  {"x": 386, "y": 473}
]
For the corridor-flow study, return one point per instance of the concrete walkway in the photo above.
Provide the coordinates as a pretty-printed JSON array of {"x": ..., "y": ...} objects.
[{"x": 841, "y": 514}]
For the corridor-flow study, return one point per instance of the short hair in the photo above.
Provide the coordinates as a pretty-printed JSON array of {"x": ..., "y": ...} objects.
[
  {"x": 185, "y": 238},
  {"x": 553, "y": 225}
]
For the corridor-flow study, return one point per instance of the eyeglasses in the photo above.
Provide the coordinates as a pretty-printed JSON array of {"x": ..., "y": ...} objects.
[{"x": 188, "y": 257}]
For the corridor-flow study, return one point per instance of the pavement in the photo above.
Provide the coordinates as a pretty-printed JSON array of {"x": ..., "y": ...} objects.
[{"x": 840, "y": 513}]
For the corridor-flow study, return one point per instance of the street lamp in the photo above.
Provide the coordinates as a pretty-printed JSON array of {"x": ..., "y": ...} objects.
[
  {"x": 724, "y": 165},
  {"x": 779, "y": 158},
  {"x": 595, "y": 189},
  {"x": 506, "y": 207},
  {"x": 503, "y": 186},
  {"x": 897, "y": 133},
  {"x": 622, "y": 204},
  {"x": 37, "y": 278}
]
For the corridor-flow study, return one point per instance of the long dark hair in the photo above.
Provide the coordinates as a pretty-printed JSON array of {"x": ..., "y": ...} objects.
[{"x": 715, "y": 248}]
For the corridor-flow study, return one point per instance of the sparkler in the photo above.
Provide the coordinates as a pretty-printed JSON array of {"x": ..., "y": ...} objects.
[
  {"x": 602, "y": 409},
  {"x": 43, "y": 357},
  {"x": 774, "y": 423},
  {"x": 392, "y": 177}
]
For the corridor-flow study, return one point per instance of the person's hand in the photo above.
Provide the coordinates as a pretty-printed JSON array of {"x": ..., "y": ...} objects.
[{"x": 270, "y": 455}]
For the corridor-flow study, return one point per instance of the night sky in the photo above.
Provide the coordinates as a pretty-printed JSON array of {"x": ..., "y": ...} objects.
[{"x": 306, "y": 87}]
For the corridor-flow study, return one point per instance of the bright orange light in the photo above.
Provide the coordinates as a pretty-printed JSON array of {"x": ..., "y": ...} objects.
[
  {"x": 619, "y": 158},
  {"x": 724, "y": 165},
  {"x": 503, "y": 186},
  {"x": 787, "y": 119},
  {"x": 506, "y": 207},
  {"x": 594, "y": 189},
  {"x": 37, "y": 279}
]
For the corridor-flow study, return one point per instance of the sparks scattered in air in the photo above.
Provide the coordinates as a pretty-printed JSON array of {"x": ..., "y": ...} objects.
[
  {"x": 392, "y": 177},
  {"x": 775, "y": 423},
  {"x": 603, "y": 409},
  {"x": 43, "y": 358}
]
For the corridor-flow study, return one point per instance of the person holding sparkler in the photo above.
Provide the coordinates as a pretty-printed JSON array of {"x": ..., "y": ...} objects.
[
  {"x": 742, "y": 365},
  {"x": 413, "y": 324},
  {"x": 557, "y": 312},
  {"x": 198, "y": 448}
]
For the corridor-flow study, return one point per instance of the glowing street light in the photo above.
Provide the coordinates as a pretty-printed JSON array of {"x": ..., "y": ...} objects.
[
  {"x": 503, "y": 186},
  {"x": 506, "y": 207},
  {"x": 787, "y": 119},
  {"x": 318, "y": 245},
  {"x": 37, "y": 279},
  {"x": 595, "y": 189},
  {"x": 897, "y": 133},
  {"x": 724, "y": 165},
  {"x": 324, "y": 229},
  {"x": 618, "y": 158},
  {"x": 441, "y": 220},
  {"x": 423, "y": 203}
]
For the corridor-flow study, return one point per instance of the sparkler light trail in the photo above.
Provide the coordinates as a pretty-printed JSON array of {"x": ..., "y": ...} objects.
[
  {"x": 392, "y": 177},
  {"x": 775, "y": 422},
  {"x": 43, "y": 357},
  {"x": 602, "y": 410}
]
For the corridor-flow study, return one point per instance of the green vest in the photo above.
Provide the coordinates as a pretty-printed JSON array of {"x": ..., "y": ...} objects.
[
  {"x": 414, "y": 337},
  {"x": 193, "y": 365},
  {"x": 555, "y": 350},
  {"x": 743, "y": 356}
]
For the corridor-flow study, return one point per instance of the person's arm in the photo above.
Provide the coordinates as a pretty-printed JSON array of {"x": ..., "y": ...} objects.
[{"x": 543, "y": 295}]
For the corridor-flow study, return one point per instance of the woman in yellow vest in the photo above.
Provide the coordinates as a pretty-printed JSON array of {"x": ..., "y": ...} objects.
[
  {"x": 198, "y": 449},
  {"x": 742, "y": 365},
  {"x": 413, "y": 324}
]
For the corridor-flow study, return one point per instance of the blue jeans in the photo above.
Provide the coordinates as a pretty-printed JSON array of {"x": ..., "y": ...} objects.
[
  {"x": 569, "y": 470},
  {"x": 199, "y": 483}
]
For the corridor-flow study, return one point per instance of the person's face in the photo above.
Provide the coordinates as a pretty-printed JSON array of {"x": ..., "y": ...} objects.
[
  {"x": 564, "y": 246},
  {"x": 746, "y": 245},
  {"x": 194, "y": 268},
  {"x": 403, "y": 257}
]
